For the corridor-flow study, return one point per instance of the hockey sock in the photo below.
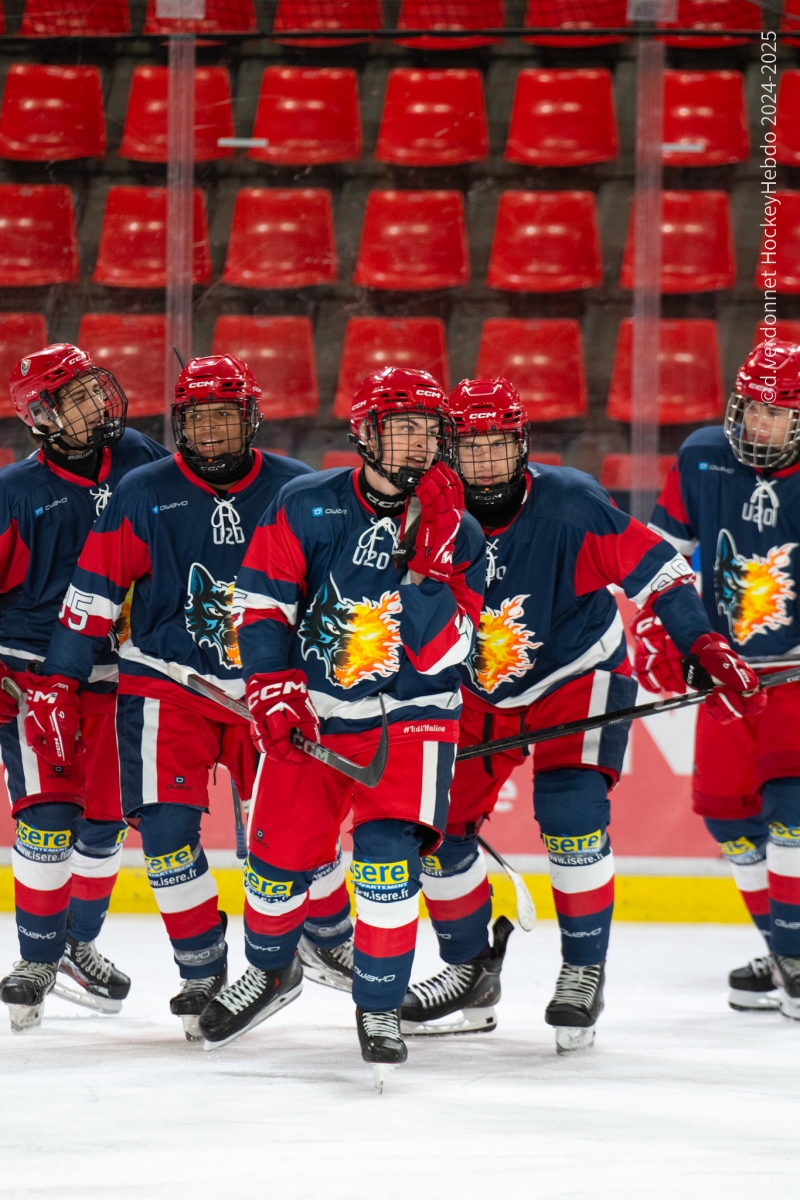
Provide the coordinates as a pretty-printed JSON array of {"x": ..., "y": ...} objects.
[
  {"x": 780, "y": 808},
  {"x": 184, "y": 888},
  {"x": 327, "y": 921},
  {"x": 456, "y": 890},
  {"x": 571, "y": 806},
  {"x": 275, "y": 908},
  {"x": 743, "y": 842},
  {"x": 386, "y": 874},
  {"x": 95, "y": 866},
  {"x": 43, "y": 878}
]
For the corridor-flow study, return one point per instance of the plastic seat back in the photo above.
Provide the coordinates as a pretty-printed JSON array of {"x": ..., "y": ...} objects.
[
  {"x": 450, "y": 14},
  {"x": 697, "y": 253},
  {"x": 144, "y": 137},
  {"x": 280, "y": 353},
  {"x": 785, "y": 331},
  {"x": 690, "y": 376},
  {"x": 281, "y": 238},
  {"x": 548, "y": 458},
  {"x": 413, "y": 241},
  {"x": 786, "y": 254},
  {"x": 576, "y": 14},
  {"x": 74, "y": 18},
  {"x": 132, "y": 348},
  {"x": 341, "y": 458},
  {"x": 325, "y": 14},
  {"x": 433, "y": 119},
  {"x": 307, "y": 116},
  {"x": 21, "y": 334},
  {"x": 545, "y": 242},
  {"x": 543, "y": 360},
  {"x": 38, "y": 245},
  {"x": 790, "y": 22},
  {"x": 713, "y": 14},
  {"x": 371, "y": 343},
  {"x": 788, "y": 127},
  {"x": 222, "y": 16},
  {"x": 133, "y": 239},
  {"x": 562, "y": 118},
  {"x": 52, "y": 113},
  {"x": 705, "y": 122}
]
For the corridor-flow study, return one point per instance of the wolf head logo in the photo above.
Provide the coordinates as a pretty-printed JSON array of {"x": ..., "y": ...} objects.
[
  {"x": 753, "y": 592},
  {"x": 209, "y": 615},
  {"x": 356, "y": 640}
]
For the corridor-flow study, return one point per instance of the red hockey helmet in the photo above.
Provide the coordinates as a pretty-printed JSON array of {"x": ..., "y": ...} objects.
[
  {"x": 490, "y": 468},
  {"x": 393, "y": 392},
  {"x": 762, "y": 421},
  {"x": 217, "y": 379},
  {"x": 35, "y": 385}
]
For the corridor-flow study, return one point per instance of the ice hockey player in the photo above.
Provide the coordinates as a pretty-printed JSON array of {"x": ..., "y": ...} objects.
[
  {"x": 331, "y": 627},
  {"x": 69, "y": 821},
  {"x": 176, "y": 534},
  {"x": 735, "y": 493},
  {"x": 550, "y": 648}
]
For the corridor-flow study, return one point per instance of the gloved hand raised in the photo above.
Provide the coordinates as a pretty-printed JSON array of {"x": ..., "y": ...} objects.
[
  {"x": 279, "y": 702},
  {"x": 441, "y": 496}
]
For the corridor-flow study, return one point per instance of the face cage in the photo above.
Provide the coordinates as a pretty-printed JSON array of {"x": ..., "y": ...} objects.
[
  {"x": 405, "y": 479},
  {"x": 77, "y": 423},
  {"x": 769, "y": 455},
  {"x": 224, "y": 465},
  {"x": 502, "y": 490}
]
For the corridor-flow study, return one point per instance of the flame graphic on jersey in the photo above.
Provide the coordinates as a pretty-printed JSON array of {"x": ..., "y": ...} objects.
[
  {"x": 210, "y": 617},
  {"x": 753, "y": 592},
  {"x": 122, "y": 625},
  {"x": 356, "y": 640},
  {"x": 502, "y": 645}
]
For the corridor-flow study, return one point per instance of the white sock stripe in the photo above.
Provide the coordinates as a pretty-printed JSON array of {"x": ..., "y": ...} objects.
[
  {"x": 750, "y": 877},
  {"x": 452, "y": 887},
  {"x": 184, "y": 896},
  {"x": 149, "y": 750},
  {"x": 783, "y": 860},
  {"x": 430, "y": 771},
  {"x": 29, "y": 757},
  {"x": 96, "y": 868},
  {"x": 597, "y": 704},
  {"x": 40, "y": 876},
  {"x": 327, "y": 884},
  {"x": 582, "y": 878},
  {"x": 392, "y": 915},
  {"x": 274, "y": 908}
]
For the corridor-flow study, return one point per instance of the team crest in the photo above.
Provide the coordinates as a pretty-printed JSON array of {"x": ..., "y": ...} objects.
[
  {"x": 753, "y": 592},
  {"x": 501, "y": 646},
  {"x": 25, "y": 366},
  {"x": 356, "y": 640},
  {"x": 210, "y": 617}
]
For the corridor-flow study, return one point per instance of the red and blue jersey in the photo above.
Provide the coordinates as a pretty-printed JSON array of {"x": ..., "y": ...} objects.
[
  {"x": 747, "y": 527},
  {"x": 548, "y": 615},
  {"x": 160, "y": 566},
  {"x": 320, "y": 593},
  {"x": 46, "y": 514}
]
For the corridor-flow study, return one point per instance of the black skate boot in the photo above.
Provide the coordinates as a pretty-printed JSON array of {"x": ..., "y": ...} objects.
[
  {"x": 333, "y": 967},
  {"x": 577, "y": 1003},
  {"x": 470, "y": 989},
  {"x": 24, "y": 991},
  {"x": 752, "y": 987},
  {"x": 255, "y": 996},
  {"x": 786, "y": 973},
  {"x": 381, "y": 1042},
  {"x": 101, "y": 985},
  {"x": 192, "y": 999}
]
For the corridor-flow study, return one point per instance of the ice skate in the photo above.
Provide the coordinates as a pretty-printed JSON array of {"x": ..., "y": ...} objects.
[
  {"x": 333, "y": 968},
  {"x": 24, "y": 991},
  {"x": 100, "y": 985},
  {"x": 786, "y": 973},
  {"x": 255, "y": 996},
  {"x": 190, "y": 1001},
  {"x": 752, "y": 988},
  {"x": 576, "y": 1004},
  {"x": 466, "y": 993},
  {"x": 381, "y": 1042}
]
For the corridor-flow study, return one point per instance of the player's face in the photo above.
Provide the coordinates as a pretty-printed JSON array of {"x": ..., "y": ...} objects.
[
  {"x": 485, "y": 459},
  {"x": 408, "y": 440},
  {"x": 214, "y": 429},
  {"x": 81, "y": 408},
  {"x": 765, "y": 425}
]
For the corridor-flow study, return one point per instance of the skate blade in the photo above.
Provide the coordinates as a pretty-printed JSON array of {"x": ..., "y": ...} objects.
[
  {"x": 276, "y": 1005},
  {"x": 753, "y": 1001},
  {"x": 469, "y": 1020},
  {"x": 318, "y": 975},
  {"x": 789, "y": 1005},
  {"x": 570, "y": 1038},
  {"x": 191, "y": 1028},
  {"x": 84, "y": 999},
  {"x": 25, "y": 1016},
  {"x": 381, "y": 1072}
]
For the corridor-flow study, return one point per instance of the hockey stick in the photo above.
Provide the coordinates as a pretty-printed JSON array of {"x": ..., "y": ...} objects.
[
  {"x": 526, "y": 909},
  {"x": 12, "y": 688},
  {"x": 482, "y": 749},
  {"x": 238, "y": 821}
]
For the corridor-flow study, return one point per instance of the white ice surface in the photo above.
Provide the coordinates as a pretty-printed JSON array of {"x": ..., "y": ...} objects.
[{"x": 680, "y": 1097}]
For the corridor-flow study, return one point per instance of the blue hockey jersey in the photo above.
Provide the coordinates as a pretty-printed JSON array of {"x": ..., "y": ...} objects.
[
  {"x": 321, "y": 593},
  {"x": 180, "y": 544},
  {"x": 747, "y": 526},
  {"x": 46, "y": 514},
  {"x": 548, "y": 615}
]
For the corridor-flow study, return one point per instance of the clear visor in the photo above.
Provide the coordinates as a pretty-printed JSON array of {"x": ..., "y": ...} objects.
[{"x": 762, "y": 435}]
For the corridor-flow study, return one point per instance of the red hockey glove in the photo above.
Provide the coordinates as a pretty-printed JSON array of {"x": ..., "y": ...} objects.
[
  {"x": 441, "y": 496},
  {"x": 657, "y": 660},
  {"x": 9, "y": 709},
  {"x": 279, "y": 702},
  {"x": 53, "y": 723},
  {"x": 737, "y": 693}
]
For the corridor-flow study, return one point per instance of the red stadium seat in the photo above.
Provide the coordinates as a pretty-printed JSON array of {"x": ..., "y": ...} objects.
[
  {"x": 133, "y": 349},
  {"x": 545, "y": 242},
  {"x": 432, "y": 119},
  {"x": 575, "y": 14},
  {"x": 542, "y": 359},
  {"x": 133, "y": 240},
  {"x": 788, "y": 127},
  {"x": 697, "y": 252},
  {"x": 562, "y": 118},
  {"x": 547, "y": 458},
  {"x": 786, "y": 273},
  {"x": 790, "y": 22},
  {"x": 307, "y": 116},
  {"x": 280, "y": 353},
  {"x": 20, "y": 335},
  {"x": 325, "y": 14},
  {"x": 281, "y": 238},
  {"x": 450, "y": 14},
  {"x": 690, "y": 376},
  {"x": 74, "y": 18},
  {"x": 785, "y": 331},
  {"x": 615, "y": 474},
  {"x": 712, "y": 14},
  {"x": 37, "y": 235},
  {"x": 144, "y": 137},
  {"x": 341, "y": 458},
  {"x": 222, "y": 16},
  {"x": 704, "y": 114},
  {"x": 413, "y": 242},
  {"x": 374, "y": 342},
  {"x": 6, "y": 455},
  {"x": 52, "y": 113}
]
